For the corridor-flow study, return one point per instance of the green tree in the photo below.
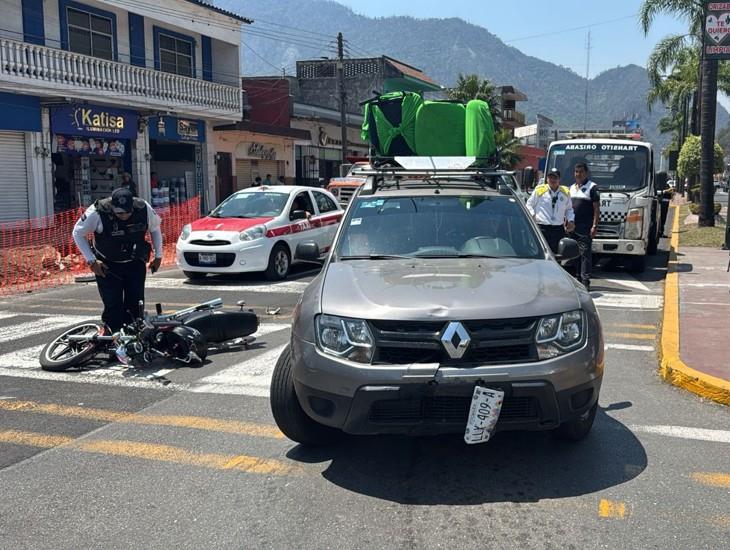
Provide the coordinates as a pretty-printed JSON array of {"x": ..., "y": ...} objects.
[
  {"x": 666, "y": 54},
  {"x": 508, "y": 148},
  {"x": 470, "y": 87},
  {"x": 688, "y": 164}
]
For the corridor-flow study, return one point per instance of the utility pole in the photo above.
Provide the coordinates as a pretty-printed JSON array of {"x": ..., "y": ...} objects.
[
  {"x": 588, "y": 71},
  {"x": 343, "y": 94}
]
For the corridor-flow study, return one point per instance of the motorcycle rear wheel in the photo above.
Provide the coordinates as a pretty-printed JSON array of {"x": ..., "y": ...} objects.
[{"x": 60, "y": 354}]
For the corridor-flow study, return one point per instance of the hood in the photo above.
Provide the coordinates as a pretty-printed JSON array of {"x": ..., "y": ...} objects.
[
  {"x": 458, "y": 289},
  {"x": 227, "y": 224}
]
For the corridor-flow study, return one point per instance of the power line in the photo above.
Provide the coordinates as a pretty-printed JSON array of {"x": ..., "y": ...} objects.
[{"x": 551, "y": 33}]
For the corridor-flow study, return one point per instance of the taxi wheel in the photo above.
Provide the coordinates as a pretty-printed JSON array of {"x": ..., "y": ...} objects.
[{"x": 279, "y": 263}]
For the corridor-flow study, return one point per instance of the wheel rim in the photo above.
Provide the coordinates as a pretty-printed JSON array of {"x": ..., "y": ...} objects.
[
  {"x": 63, "y": 350},
  {"x": 281, "y": 263}
]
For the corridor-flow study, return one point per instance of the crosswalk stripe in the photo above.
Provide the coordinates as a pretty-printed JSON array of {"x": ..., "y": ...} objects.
[
  {"x": 286, "y": 287},
  {"x": 8, "y": 315},
  {"x": 629, "y": 347},
  {"x": 22, "y": 330},
  {"x": 628, "y": 301},
  {"x": 250, "y": 377}
]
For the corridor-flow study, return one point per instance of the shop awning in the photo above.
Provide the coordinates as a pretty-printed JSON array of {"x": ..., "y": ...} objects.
[{"x": 259, "y": 128}]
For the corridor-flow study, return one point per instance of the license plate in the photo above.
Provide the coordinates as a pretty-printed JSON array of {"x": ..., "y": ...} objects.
[
  {"x": 486, "y": 405},
  {"x": 206, "y": 258}
]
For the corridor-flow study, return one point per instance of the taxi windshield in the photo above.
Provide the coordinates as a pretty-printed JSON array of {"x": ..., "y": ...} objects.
[
  {"x": 437, "y": 227},
  {"x": 256, "y": 204}
]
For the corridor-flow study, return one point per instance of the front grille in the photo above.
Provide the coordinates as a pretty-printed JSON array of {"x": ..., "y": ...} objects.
[
  {"x": 446, "y": 409},
  {"x": 222, "y": 259},
  {"x": 493, "y": 342},
  {"x": 200, "y": 242},
  {"x": 608, "y": 230}
]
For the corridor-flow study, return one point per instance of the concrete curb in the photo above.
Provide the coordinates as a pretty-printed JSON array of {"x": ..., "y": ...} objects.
[{"x": 671, "y": 366}]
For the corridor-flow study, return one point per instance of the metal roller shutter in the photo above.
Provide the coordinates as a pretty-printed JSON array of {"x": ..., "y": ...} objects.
[
  {"x": 243, "y": 174},
  {"x": 13, "y": 177},
  {"x": 266, "y": 167}
]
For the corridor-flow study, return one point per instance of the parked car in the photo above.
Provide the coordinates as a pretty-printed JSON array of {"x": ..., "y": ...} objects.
[
  {"x": 440, "y": 292},
  {"x": 258, "y": 229}
]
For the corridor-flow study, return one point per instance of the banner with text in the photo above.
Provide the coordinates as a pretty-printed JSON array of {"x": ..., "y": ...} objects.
[{"x": 716, "y": 39}]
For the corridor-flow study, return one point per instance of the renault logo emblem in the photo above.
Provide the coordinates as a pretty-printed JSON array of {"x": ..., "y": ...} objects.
[{"x": 455, "y": 340}]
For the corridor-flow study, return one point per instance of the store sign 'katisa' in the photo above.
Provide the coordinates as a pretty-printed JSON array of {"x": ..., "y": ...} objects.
[
  {"x": 93, "y": 120},
  {"x": 103, "y": 121}
]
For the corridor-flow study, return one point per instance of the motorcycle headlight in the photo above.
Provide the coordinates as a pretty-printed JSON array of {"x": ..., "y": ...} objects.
[
  {"x": 634, "y": 223},
  {"x": 559, "y": 334},
  {"x": 252, "y": 233},
  {"x": 346, "y": 338},
  {"x": 185, "y": 233}
]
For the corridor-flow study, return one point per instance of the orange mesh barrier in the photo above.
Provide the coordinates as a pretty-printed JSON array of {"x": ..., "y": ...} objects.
[{"x": 40, "y": 253}]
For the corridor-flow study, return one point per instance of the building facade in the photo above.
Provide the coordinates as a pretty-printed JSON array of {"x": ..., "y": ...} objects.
[{"x": 96, "y": 88}]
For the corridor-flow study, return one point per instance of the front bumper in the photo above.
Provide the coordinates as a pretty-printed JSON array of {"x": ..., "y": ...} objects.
[
  {"x": 619, "y": 246},
  {"x": 427, "y": 400},
  {"x": 238, "y": 257}
]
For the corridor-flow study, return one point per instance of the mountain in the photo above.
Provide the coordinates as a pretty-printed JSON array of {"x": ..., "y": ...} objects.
[{"x": 288, "y": 30}]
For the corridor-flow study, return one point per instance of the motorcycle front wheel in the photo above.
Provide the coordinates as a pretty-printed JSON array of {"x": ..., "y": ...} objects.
[{"x": 60, "y": 354}]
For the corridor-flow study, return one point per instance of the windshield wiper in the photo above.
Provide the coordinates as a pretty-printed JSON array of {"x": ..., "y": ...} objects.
[
  {"x": 431, "y": 256},
  {"x": 376, "y": 257}
]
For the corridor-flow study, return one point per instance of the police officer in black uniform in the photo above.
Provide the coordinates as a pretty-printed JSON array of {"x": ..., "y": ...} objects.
[{"x": 119, "y": 225}]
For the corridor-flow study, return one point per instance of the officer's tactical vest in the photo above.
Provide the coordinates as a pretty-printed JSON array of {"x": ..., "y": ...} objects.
[{"x": 122, "y": 241}]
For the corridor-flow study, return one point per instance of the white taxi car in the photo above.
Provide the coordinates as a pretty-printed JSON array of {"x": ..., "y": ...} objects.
[{"x": 258, "y": 229}]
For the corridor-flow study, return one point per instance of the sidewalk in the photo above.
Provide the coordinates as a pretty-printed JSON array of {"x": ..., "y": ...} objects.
[{"x": 695, "y": 341}]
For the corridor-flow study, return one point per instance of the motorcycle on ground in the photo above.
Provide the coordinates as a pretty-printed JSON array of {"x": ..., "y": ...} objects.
[{"x": 184, "y": 336}]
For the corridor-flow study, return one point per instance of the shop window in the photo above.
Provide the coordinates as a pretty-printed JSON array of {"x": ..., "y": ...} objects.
[
  {"x": 175, "y": 53},
  {"x": 88, "y": 31},
  {"x": 324, "y": 203}
]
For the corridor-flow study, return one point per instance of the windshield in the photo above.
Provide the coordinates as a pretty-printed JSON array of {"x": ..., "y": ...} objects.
[
  {"x": 255, "y": 204},
  {"x": 438, "y": 226},
  {"x": 613, "y": 167}
]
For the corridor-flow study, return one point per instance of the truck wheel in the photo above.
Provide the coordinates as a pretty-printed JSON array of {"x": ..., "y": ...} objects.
[
  {"x": 288, "y": 413},
  {"x": 637, "y": 264},
  {"x": 578, "y": 428},
  {"x": 651, "y": 249}
]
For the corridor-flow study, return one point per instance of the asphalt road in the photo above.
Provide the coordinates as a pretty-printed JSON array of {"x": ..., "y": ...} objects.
[{"x": 192, "y": 459}]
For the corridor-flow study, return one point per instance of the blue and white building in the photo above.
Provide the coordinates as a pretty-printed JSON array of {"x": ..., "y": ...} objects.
[{"x": 90, "y": 89}]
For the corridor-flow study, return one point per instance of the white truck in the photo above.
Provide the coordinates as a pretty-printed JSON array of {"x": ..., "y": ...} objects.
[{"x": 623, "y": 169}]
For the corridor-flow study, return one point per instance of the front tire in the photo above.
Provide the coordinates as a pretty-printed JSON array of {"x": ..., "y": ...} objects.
[
  {"x": 279, "y": 263},
  {"x": 578, "y": 428},
  {"x": 60, "y": 354},
  {"x": 195, "y": 275},
  {"x": 288, "y": 413}
]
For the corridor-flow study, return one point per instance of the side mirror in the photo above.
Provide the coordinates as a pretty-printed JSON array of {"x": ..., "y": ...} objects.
[
  {"x": 660, "y": 181},
  {"x": 568, "y": 249},
  {"x": 528, "y": 176},
  {"x": 298, "y": 215},
  {"x": 308, "y": 252}
]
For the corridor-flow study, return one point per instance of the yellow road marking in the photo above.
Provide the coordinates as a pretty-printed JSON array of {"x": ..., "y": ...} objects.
[
  {"x": 713, "y": 479},
  {"x": 151, "y": 451},
  {"x": 612, "y": 509},
  {"x": 192, "y": 422},
  {"x": 633, "y": 325},
  {"x": 631, "y": 335}
]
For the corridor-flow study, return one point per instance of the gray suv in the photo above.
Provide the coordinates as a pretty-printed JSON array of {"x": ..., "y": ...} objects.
[{"x": 438, "y": 283}]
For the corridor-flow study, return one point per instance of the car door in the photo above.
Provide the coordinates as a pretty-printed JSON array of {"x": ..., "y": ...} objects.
[
  {"x": 302, "y": 230},
  {"x": 329, "y": 215}
]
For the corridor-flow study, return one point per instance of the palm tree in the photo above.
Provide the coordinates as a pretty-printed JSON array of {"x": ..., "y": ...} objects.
[
  {"x": 470, "y": 87},
  {"x": 507, "y": 148},
  {"x": 665, "y": 55}
]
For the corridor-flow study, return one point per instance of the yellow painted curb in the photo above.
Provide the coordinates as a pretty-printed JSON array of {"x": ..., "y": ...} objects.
[{"x": 671, "y": 366}]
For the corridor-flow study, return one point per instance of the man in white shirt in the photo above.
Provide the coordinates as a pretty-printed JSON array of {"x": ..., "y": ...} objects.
[
  {"x": 551, "y": 208},
  {"x": 118, "y": 258}
]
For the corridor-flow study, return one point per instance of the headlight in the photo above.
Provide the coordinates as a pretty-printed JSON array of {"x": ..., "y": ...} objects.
[
  {"x": 634, "y": 223},
  {"x": 347, "y": 338},
  {"x": 559, "y": 334},
  {"x": 186, "y": 230},
  {"x": 252, "y": 233}
]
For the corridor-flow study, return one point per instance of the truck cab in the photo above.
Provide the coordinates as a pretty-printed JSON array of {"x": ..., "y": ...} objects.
[{"x": 623, "y": 169}]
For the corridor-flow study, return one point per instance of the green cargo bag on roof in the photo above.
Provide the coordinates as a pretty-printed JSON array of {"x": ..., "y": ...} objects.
[
  {"x": 479, "y": 130},
  {"x": 390, "y": 123},
  {"x": 440, "y": 129}
]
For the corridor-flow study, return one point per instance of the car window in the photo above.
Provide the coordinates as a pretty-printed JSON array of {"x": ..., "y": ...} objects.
[
  {"x": 440, "y": 226},
  {"x": 324, "y": 203},
  {"x": 302, "y": 202},
  {"x": 254, "y": 204}
]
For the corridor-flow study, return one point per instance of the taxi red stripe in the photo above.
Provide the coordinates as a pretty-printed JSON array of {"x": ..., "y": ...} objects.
[{"x": 305, "y": 225}]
